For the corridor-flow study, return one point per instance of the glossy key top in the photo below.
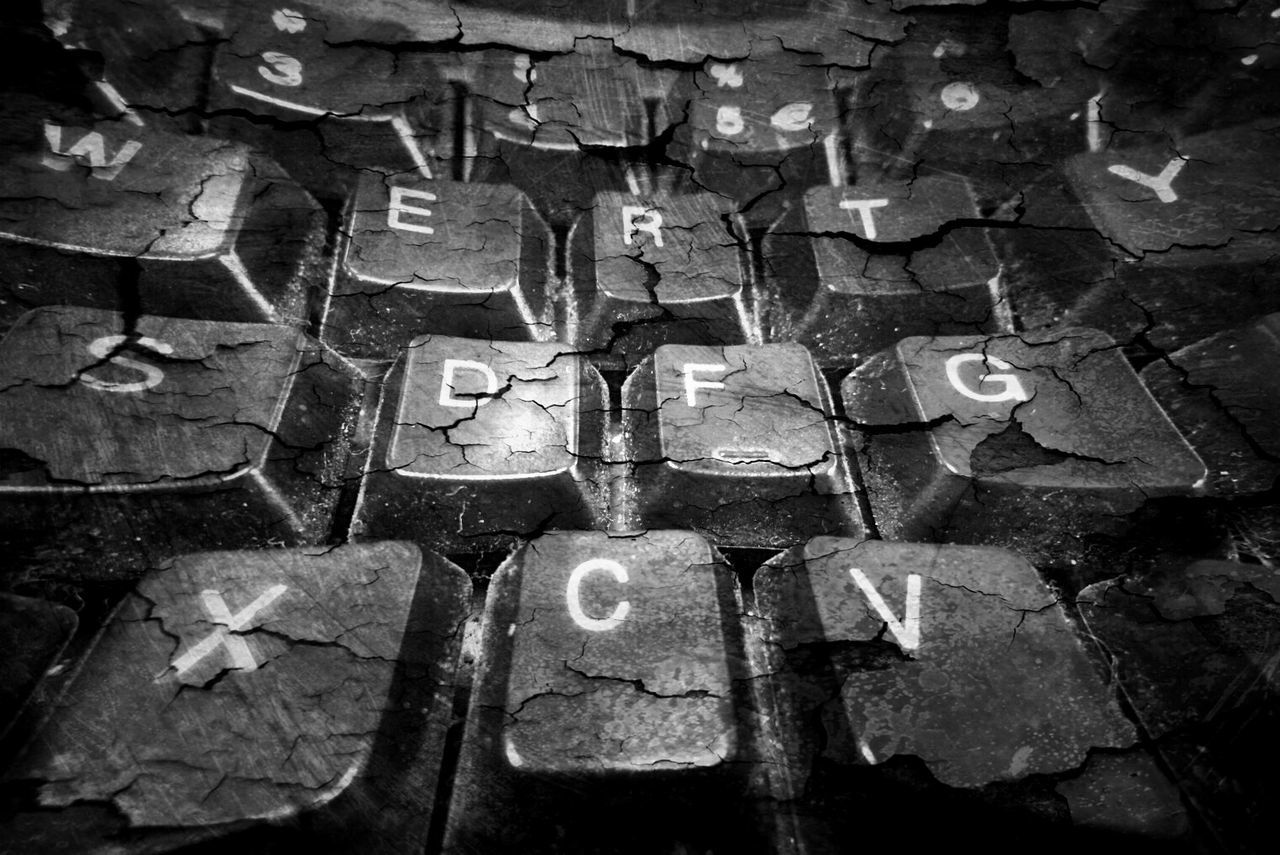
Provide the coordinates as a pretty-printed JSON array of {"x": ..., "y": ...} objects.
[
  {"x": 119, "y": 216},
  {"x": 930, "y": 681},
  {"x": 162, "y": 435},
  {"x": 249, "y": 687},
  {"x": 856, "y": 268},
  {"x": 1012, "y": 441},
  {"x": 608, "y": 680},
  {"x": 478, "y": 442},
  {"x": 725, "y": 439},
  {"x": 437, "y": 257}
]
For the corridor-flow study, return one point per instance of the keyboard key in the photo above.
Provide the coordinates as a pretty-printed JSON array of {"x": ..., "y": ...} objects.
[
  {"x": 738, "y": 443},
  {"x": 926, "y": 681},
  {"x": 555, "y": 127},
  {"x": 1037, "y": 444},
  {"x": 951, "y": 95},
  {"x": 479, "y": 442},
  {"x": 1194, "y": 226},
  {"x": 118, "y": 216},
  {"x": 439, "y": 257},
  {"x": 365, "y": 106},
  {"x": 607, "y": 686},
  {"x": 857, "y": 268},
  {"x": 1194, "y": 649},
  {"x": 1224, "y": 395},
  {"x": 590, "y": 98},
  {"x": 1212, "y": 190},
  {"x": 649, "y": 271},
  {"x": 758, "y": 129},
  {"x": 162, "y": 435},
  {"x": 33, "y": 634},
  {"x": 249, "y": 687}
]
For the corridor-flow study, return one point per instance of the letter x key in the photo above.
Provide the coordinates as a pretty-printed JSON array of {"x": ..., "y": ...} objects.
[{"x": 237, "y": 648}]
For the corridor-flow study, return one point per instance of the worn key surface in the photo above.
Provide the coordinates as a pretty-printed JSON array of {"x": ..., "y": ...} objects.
[
  {"x": 1031, "y": 442},
  {"x": 118, "y": 216},
  {"x": 557, "y": 126},
  {"x": 1191, "y": 228},
  {"x": 163, "y": 434},
  {"x": 854, "y": 269},
  {"x": 1223, "y": 393},
  {"x": 657, "y": 270},
  {"x": 962, "y": 91},
  {"x": 437, "y": 257},
  {"x": 723, "y": 439},
  {"x": 943, "y": 681},
  {"x": 478, "y": 442},
  {"x": 355, "y": 98},
  {"x": 251, "y": 686},
  {"x": 608, "y": 680},
  {"x": 758, "y": 128}
]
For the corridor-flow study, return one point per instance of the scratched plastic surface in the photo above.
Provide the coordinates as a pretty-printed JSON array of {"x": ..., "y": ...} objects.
[{"x": 687, "y": 426}]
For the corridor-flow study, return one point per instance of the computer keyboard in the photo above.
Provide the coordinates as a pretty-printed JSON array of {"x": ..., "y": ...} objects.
[{"x": 681, "y": 427}]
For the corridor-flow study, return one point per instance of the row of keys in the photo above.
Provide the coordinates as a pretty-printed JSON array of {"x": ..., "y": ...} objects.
[
  {"x": 247, "y": 426},
  {"x": 948, "y": 71},
  {"x": 950, "y": 668},
  {"x": 330, "y": 98},
  {"x": 194, "y": 227}
]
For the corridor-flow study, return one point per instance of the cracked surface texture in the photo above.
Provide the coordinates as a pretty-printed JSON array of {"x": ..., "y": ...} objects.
[
  {"x": 639, "y": 426},
  {"x": 276, "y": 716}
]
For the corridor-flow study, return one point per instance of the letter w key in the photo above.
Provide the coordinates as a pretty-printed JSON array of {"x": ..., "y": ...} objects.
[
  {"x": 90, "y": 149},
  {"x": 237, "y": 649}
]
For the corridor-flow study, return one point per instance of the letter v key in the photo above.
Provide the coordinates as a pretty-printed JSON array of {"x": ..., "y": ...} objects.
[
  {"x": 906, "y": 631},
  {"x": 1161, "y": 184}
]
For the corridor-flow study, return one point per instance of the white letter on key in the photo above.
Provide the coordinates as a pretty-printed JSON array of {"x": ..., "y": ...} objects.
[
  {"x": 906, "y": 631},
  {"x": 652, "y": 223},
  {"x": 863, "y": 207},
  {"x": 575, "y": 605},
  {"x": 1161, "y": 184},
  {"x": 1013, "y": 390},
  {"x": 691, "y": 385},
  {"x": 398, "y": 207},
  {"x": 91, "y": 148},
  {"x": 447, "y": 388},
  {"x": 105, "y": 346},
  {"x": 226, "y": 623}
]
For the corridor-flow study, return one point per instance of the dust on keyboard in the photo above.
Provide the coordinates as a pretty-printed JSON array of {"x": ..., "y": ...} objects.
[{"x": 653, "y": 427}]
